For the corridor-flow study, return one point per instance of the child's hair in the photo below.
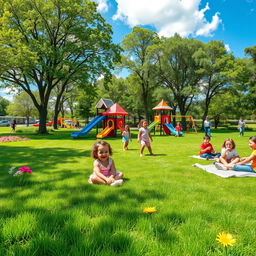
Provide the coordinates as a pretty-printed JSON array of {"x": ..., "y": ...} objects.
[
  {"x": 206, "y": 137},
  {"x": 127, "y": 126},
  {"x": 141, "y": 122},
  {"x": 231, "y": 141},
  {"x": 94, "y": 153},
  {"x": 253, "y": 138}
]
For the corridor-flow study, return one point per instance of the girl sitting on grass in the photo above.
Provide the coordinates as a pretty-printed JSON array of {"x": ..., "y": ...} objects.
[
  {"x": 247, "y": 164},
  {"x": 104, "y": 171},
  {"x": 229, "y": 155}
]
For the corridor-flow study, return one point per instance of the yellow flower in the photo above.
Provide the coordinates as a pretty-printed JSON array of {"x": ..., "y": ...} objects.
[
  {"x": 226, "y": 239},
  {"x": 149, "y": 210}
]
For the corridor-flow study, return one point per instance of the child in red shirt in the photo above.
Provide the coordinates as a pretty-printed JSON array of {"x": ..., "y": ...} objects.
[
  {"x": 206, "y": 149},
  {"x": 178, "y": 129}
]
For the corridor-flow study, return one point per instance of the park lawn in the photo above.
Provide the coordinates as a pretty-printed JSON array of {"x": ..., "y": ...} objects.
[{"x": 58, "y": 213}]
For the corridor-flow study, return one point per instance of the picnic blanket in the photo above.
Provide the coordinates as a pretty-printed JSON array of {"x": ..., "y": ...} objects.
[
  {"x": 199, "y": 157},
  {"x": 224, "y": 174}
]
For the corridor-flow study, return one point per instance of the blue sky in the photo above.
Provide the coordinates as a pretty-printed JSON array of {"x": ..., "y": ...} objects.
[{"x": 230, "y": 21}]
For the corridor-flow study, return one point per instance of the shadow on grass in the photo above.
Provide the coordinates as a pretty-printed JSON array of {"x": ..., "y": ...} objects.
[
  {"x": 41, "y": 161},
  {"x": 86, "y": 224},
  {"x": 155, "y": 155}
]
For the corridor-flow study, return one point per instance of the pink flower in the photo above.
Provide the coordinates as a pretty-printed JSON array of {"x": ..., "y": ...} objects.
[{"x": 25, "y": 169}]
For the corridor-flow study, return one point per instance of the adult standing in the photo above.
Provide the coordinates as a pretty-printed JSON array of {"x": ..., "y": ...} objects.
[
  {"x": 207, "y": 126},
  {"x": 241, "y": 125}
]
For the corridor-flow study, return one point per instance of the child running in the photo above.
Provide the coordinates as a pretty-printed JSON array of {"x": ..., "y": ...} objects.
[
  {"x": 144, "y": 137},
  {"x": 104, "y": 171},
  {"x": 206, "y": 149},
  {"x": 126, "y": 137},
  {"x": 246, "y": 164},
  {"x": 228, "y": 156}
]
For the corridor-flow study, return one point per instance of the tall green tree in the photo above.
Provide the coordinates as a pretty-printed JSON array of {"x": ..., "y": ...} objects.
[
  {"x": 178, "y": 69},
  {"x": 3, "y": 106},
  {"x": 67, "y": 40},
  {"x": 216, "y": 67},
  {"x": 137, "y": 60}
]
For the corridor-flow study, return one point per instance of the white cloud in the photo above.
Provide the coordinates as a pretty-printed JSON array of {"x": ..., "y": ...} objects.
[
  {"x": 168, "y": 16},
  {"x": 8, "y": 93},
  {"x": 227, "y": 47},
  {"x": 102, "y": 5}
]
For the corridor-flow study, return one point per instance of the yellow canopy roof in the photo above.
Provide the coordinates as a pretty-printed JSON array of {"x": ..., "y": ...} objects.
[{"x": 162, "y": 106}]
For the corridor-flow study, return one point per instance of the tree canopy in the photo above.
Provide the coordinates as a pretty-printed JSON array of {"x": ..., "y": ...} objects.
[{"x": 51, "y": 42}]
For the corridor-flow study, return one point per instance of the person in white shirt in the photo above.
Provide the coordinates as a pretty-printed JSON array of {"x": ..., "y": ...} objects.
[{"x": 207, "y": 126}]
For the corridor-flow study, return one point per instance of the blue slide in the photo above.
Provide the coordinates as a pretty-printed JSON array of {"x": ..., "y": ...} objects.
[
  {"x": 172, "y": 129},
  {"x": 88, "y": 127}
]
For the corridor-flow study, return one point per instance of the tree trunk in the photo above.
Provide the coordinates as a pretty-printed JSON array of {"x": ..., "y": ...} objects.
[
  {"x": 42, "y": 116},
  {"x": 55, "y": 119}
]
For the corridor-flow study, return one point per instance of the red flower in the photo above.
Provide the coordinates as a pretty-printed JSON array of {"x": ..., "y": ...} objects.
[{"x": 25, "y": 169}]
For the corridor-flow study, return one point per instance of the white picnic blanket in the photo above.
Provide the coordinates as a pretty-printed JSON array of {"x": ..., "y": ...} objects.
[
  {"x": 199, "y": 157},
  {"x": 224, "y": 174}
]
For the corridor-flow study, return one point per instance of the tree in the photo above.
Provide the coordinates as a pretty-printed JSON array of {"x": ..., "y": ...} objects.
[
  {"x": 22, "y": 105},
  {"x": 178, "y": 69},
  {"x": 137, "y": 59},
  {"x": 85, "y": 105},
  {"x": 216, "y": 66},
  {"x": 64, "y": 41},
  {"x": 226, "y": 105},
  {"x": 3, "y": 106}
]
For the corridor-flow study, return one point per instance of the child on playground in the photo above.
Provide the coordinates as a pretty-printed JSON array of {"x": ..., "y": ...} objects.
[
  {"x": 126, "y": 137},
  {"x": 228, "y": 156},
  {"x": 246, "y": 164},
  {"x": 178, "y": 129},
  {"x": 104, "y": 171},
  {"x": 206, "y": 149},
  {"x": 144, "y": 137}
]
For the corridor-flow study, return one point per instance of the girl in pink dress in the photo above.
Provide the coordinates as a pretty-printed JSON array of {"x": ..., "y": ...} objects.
[
  {"x": 144, "y": 137},
  {"x": 104, "y": 171}
]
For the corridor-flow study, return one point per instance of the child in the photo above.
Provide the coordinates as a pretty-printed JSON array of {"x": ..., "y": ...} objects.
[
  {"x": 178, "y": 129},
  {"x": 144, "y": 136},
  {"x": 206, "y": 149},
  {"x": 247, "y": 164},
  {"x": 229, "y": 155},
  {"x": 126, "y": 137},
  {"x": 104, "y": 171}
]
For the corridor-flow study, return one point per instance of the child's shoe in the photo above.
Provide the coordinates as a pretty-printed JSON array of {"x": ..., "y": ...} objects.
[
  {"x": 219, "y": 166},
  {"x": 117, "y": 183}
]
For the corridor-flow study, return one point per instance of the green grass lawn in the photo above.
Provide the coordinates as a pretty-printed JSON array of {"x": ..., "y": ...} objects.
[{"x": 58, "y": 213}]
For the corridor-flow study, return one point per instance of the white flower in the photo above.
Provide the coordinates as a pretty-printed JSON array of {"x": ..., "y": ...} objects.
[{"x": 11, "y": 170}]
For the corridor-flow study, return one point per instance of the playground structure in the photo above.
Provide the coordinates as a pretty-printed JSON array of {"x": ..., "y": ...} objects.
[
  {"x": 164, "y": 119},
  {"x": 61, "y": 123},
  {"x": 47, "y": 124},
  {"x": 71, "y": 124},
  {"x": 110, "y": 118}
]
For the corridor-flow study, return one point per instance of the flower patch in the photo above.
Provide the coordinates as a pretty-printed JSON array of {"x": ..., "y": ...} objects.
[{"x": 5, "y": 139}]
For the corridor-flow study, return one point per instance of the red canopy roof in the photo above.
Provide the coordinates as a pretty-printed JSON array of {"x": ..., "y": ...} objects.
[
  {"x": 162, "y": 106},
  {"x": 116, "y": 110}
]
